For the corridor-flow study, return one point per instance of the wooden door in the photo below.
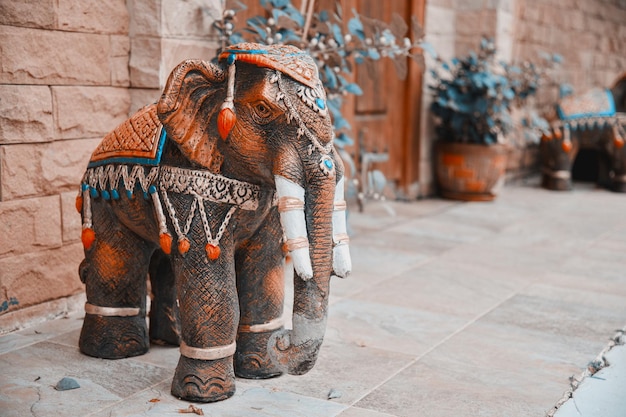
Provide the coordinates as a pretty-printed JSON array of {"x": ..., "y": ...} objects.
[{"x": 387, "y": 115}]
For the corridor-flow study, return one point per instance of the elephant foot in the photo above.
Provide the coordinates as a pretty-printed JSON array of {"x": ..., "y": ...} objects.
[
  {"x": 556, "y": 184},
  {"x": 619, "y": 186},
  {"x": 204, "y": 381},
  {"x": 114, "y": 337},
  {"x": 252, "y": 359}
]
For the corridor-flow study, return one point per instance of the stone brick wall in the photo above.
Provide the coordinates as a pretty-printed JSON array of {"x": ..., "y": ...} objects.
[
  {"x": 63, "y": 84},
  {"x": 70, "y": 71},
  {"x": 589, "y": 34}
]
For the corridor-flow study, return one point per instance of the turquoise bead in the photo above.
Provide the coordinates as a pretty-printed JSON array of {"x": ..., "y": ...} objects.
[
  {"x": 114, "y": 194},
  {"x": 129, "y": 194},
  {"x": 93, "y": 192},
  {"x": 320, "y": 103},
  {"x": 106, "y": 195},
  {"x": 328, "y": 163},
  {"x": 152, "y": 189}
]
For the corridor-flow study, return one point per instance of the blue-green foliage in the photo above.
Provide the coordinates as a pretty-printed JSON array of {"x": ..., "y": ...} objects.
[
  {"x": 472, "y": 95},
  {"x": 326, "y": 41}
]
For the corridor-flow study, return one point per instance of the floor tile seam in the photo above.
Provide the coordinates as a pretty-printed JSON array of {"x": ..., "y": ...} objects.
[
  {"x": 433, "y": 347},
  {"x": 29, "y": 344},
  {"x": 404, "y": 219},
  {"x": 18, "y": 348},
  {"x": 129, "y": 397},
  {"x": 409, "y": 267}
]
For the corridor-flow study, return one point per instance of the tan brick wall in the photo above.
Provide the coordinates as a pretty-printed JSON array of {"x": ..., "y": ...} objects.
[
  {"x": 63, "y": 84},
  {"x": 70, "y": 71},
  {"x": 589, "y": 34}
]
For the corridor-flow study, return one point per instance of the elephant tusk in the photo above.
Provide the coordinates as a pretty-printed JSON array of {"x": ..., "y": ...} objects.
[
  {"x": 342, "y": 263},
  {"x": 291, "y": 209}
]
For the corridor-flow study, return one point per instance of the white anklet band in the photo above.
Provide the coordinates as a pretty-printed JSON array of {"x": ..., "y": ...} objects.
[
  {"x": 207, "y": 354},
  {"x": 111, "y": 311},
  {"x": 261, "y": 328}
]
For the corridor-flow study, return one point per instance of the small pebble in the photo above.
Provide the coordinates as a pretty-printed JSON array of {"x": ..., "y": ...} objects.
[
  {"x": 334, "y": 394},
  {"x": 66, "y": 384}
]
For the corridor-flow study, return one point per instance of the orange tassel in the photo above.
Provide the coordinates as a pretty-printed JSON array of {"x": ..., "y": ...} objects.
[
  {"x": 183, "y": 246},
  {"x": 79, "y": 203},
  {"x": 212, "y": 251},
  {"x": 88, "y": 237},
  {"x": 165, "y": 240},
  {"x": 225, "y": 122},
  {"x": 566, "y": 145}
]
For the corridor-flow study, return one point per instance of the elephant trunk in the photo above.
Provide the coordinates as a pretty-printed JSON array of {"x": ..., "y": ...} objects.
[{"x": 307, "y": 218}]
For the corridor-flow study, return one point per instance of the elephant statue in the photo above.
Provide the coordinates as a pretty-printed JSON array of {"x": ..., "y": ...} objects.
[
  {"x": 593, "y": 120},
  {"x": 206, "y": 192}
]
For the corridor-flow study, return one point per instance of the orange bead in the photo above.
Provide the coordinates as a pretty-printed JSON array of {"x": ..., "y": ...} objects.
[
  {"x": 557, "y": 133},
  {"x": 619, "y": 142},
  {"x": 79, "y": 203},
  {"x": 88, "y": 237},
  {"x": 183, "y": 246},
  {"x": 566, "y": 145},
  {"x": 225, "y": 122},
  {"x": 212, "y": 251},
  {"x": 165, "y": 240}
]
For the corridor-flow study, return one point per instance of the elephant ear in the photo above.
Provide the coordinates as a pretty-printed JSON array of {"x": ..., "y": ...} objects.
[{"x": 190, "y": 98}]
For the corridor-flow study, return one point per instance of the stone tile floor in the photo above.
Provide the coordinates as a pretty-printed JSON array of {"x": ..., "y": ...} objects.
[{"x": 453, "y": 309}]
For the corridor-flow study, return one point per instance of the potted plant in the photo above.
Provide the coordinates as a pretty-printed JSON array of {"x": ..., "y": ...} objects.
[{"x": 472, "y": 101}]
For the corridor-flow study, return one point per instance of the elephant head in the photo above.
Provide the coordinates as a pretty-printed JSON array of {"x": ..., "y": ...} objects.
[{"x": 265, "y": 108}]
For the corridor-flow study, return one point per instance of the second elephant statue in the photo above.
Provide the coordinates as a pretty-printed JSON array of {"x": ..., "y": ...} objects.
[{"x": 206, "y": 191}]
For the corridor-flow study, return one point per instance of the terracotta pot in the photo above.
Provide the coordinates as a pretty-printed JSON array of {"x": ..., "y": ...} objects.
[{"x": 470, "y": 172}]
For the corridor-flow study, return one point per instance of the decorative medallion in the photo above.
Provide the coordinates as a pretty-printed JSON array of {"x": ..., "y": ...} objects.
[{"x": 314, "y": 98}]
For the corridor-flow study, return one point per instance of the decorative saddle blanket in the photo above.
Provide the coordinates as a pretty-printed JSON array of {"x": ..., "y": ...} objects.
[
  {"x": 595, "y": 103},
  {"x": 138, "y": 141}
]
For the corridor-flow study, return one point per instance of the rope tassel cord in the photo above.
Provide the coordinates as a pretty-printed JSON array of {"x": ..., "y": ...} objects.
[{"x": 227, "y": 118}]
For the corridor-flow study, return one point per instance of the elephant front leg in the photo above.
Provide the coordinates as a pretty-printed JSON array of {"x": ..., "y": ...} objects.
[
  {"x": 208, "y": 311},
  {"x": 114, "y": 273},
  {"x": 261, "y": 288}
]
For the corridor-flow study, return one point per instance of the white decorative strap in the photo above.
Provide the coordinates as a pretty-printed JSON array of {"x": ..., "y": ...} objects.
[
  {"x": 261, "y": 328},
  {"x": 111, "y": 311},
  {"x": 207, "y": 354},
  {"x": 289, "y": 203},
  {"x": 340, "y": 205},
  {"x": 341, "y": 239},
  {"x": 562, "y": 174}
]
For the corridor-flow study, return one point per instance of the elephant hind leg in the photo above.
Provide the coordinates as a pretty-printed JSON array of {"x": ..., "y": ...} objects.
[
  {"x": 114, "y": 271},
  {"x": 164, "y": 315}
]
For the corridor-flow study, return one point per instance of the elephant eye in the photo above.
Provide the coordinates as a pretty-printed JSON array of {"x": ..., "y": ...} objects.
[{"x": 263, "y": 112}]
